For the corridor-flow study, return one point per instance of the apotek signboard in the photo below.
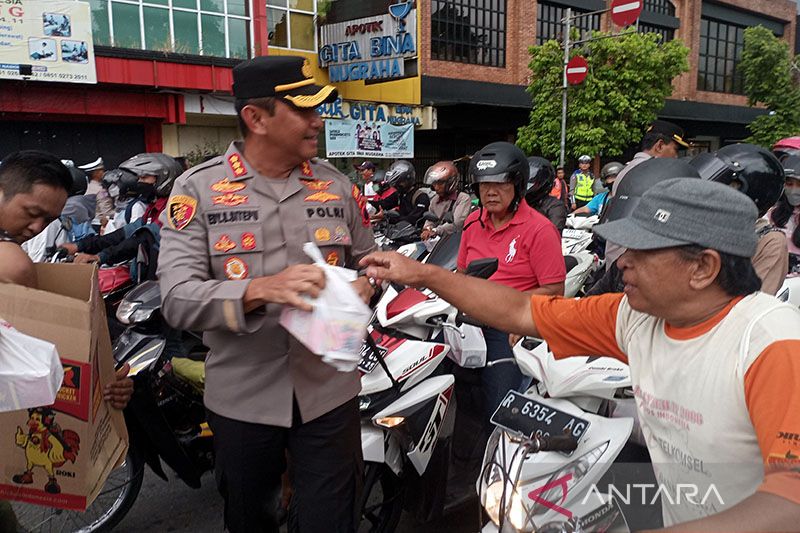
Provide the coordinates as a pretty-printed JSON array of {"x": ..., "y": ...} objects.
[
  {"x": 371, "y": 49},
  {"x": 46, "y": 40}
]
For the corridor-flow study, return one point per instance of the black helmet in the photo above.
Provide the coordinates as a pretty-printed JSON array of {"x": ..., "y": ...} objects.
[
  {"x": 500, "y": 162},
  {"x": 162, "y": 166},
  {"x": 640, "y": 179},
  {"x": 401, "y": 175},
  {"x": 126, "y": 181},
  {"x": 541, "y": 178},
  {"x": 80, "y": 182},
  {"x": 753, "y": 170}
]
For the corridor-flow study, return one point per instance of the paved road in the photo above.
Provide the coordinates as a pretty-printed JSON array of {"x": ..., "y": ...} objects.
[{"x": 173, "y": 507}]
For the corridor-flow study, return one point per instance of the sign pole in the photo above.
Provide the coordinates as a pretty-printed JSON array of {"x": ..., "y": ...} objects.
[{"x": 564, "y": 86}]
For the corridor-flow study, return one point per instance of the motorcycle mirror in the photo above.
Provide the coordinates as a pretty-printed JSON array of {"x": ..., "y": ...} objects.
[{"x": 482, "y": 268}]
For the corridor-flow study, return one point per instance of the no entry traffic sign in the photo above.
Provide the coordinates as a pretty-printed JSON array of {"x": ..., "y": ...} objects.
[
  {"x": 577, "y": 69},
  {"x": 625, "y": 12}
]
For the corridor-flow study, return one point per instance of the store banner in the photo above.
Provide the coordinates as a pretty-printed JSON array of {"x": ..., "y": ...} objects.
[
  {"x": 358, "y": 138},
  {"x": 46, "y": 40}
]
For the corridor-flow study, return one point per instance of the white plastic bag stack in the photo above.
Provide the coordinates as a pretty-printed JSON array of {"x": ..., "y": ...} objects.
[
  {"x": 336, "y": 328},
  {"x": 30, "y": 370}
]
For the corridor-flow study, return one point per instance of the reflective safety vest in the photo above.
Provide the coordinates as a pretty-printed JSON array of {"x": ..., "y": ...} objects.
[{"x": 583, "y": 187}]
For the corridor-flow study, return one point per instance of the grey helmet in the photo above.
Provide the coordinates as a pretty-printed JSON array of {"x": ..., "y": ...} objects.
[
  {"x": 401, "y": 175},
  {"x": 162, "y": 166},
  {"x": 611, "y": 169}
]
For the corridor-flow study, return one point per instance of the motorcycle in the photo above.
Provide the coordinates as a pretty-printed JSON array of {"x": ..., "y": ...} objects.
[
  {"x": 553, "y": 444},
  {"x": 577, "y": 236}
]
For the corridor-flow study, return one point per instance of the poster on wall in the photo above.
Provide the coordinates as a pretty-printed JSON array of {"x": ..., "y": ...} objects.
[
  {"x": 46, "y": 40},
  {"x": 358, "y": 138}
]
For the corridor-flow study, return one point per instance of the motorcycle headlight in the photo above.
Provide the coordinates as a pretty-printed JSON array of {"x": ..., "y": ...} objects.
[
  {"x": 125, "y": 311},
  {"x": 515, "y": 510},
  {"x": 132, "y": 312},
  {"x": 519, "y": 510},
  {"x": 563, "y": 481}
]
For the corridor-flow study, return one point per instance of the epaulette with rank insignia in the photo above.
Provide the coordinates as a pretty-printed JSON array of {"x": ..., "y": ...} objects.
[{"x": 202, "y": 166}]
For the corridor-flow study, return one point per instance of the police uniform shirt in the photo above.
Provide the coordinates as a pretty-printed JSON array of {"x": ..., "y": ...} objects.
[{"x": 225, "y": 225}]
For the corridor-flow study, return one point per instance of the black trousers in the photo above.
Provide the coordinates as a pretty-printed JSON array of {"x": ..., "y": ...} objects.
[{"x": 326, "y": 471}]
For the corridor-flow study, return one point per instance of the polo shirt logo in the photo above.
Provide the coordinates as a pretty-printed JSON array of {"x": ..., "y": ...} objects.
[
  {"x": 512, "y": 250},
  {"x": 662, "y": 216}
]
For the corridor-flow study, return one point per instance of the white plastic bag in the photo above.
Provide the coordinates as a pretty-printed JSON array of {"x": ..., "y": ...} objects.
[
  {"x": 469, "y": 351},
  {"x": 30, "y": 370},
  {"x": 337, "y": 326}
]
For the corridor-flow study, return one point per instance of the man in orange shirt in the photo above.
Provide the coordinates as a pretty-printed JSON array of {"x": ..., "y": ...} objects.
[{"x": 714, "y": 362}]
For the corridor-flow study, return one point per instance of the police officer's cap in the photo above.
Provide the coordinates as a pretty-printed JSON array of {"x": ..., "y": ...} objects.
[{"x": 287, "y": 77}]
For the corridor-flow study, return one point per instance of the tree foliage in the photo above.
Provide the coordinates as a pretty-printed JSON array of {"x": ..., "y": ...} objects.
[
  {"x": 629, "y": 79},
  {"x": 766, "y": 66}
]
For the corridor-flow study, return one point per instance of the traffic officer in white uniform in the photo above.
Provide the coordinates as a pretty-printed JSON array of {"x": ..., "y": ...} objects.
[{"x": 231, "y": 257}]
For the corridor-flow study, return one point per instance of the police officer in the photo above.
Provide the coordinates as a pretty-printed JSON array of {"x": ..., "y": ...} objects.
[{"x": 231, "y": 258}]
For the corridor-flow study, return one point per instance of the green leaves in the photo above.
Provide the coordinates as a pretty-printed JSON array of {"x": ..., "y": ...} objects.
[
  {"x": 629, "y": 79},
  {"x": 767, "y": 69}
]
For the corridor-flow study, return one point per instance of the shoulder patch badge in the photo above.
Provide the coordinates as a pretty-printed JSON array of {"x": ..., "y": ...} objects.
[
  {"x": 362, "y": 205},
  {"x": 332, "y": 259},
  {"x": 230, "y": 199},
  {"x": 225, "y": 185},
  {"x": 248, "y": 241},
  {"x": 224, "y": 244},
  {"x": 305, "y": 168},
  {"x": 235, "y": 268},
  {"x": 181, "y": 209},
  {"x": 237, "y": 165}
]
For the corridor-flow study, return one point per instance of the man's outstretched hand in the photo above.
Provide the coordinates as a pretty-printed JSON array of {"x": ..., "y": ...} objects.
[{"x": 391, "y": 266}]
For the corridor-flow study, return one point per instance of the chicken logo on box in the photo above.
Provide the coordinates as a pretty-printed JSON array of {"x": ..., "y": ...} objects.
[{"x": 46, "y": 446}]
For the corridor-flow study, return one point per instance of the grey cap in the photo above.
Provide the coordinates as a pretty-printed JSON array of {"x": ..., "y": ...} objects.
[{"x": 682, "y": 211}]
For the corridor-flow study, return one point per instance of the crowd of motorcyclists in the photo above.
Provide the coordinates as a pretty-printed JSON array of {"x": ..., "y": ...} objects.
[{"x": 513, "y": 208}]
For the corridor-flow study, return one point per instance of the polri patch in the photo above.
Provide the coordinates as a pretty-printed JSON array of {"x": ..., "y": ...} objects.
[
  {"x": 332, "y": 259},
  {"x": 235, "y": 268},
  {"x": 230, "y": 199},
  {"x": 181, "y": 209},
  {"x": 248, "y": 241},
  {"x": 225, "y": 185},
  {"x": 224, "y": 244}
]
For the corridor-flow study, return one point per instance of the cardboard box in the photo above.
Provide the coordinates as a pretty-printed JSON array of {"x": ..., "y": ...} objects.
[{"x": 61, "y": 455}]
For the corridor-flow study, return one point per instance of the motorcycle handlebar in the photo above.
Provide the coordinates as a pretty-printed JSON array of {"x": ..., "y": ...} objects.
[
  {"x": 557, "y": 443},
  {"x": 461, "y": 318}
]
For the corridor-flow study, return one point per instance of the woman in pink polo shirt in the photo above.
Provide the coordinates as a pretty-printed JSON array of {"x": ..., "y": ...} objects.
[{"x": 526, "y": 244}]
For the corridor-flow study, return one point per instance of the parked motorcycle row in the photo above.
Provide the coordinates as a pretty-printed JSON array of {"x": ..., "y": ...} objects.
[{"x": 548, "y": 447}]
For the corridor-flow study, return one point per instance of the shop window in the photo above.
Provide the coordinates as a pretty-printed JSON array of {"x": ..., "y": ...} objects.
[
  {"x": 469, "y": 31},
  {"x": 290, "y": 24},
  {"x": 721, "y": 46},
  {"x": 667, "y": 34},
  {"x": 100, "y": 30},
  {"x": 218, "y": 28},
  {"x": 662, "y": 7},
  {"x": 549, "y": 25}
]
